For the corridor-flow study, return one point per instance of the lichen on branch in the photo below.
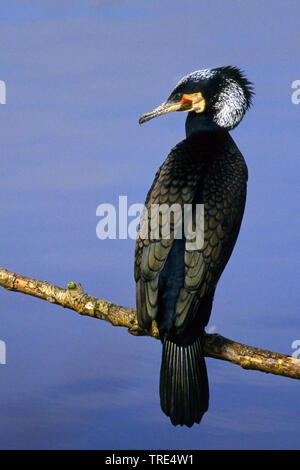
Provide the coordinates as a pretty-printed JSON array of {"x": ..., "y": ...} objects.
[{"x": 215, "y": 345}]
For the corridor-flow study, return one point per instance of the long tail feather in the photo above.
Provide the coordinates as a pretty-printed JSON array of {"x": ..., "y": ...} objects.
[{"x": 184, "y": 393}]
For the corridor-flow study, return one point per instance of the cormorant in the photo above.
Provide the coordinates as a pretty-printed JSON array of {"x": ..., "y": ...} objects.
[{"x": 175, "y": 285}]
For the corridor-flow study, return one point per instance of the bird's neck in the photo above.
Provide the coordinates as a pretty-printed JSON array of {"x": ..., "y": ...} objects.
[{"x": 196, "y": 122}]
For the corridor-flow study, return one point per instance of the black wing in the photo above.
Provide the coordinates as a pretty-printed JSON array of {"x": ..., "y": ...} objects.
[{"x": 171, "y": 279}]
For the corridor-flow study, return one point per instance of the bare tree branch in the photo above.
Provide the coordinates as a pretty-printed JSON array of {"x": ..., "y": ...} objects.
[{"x": 215, "y": 345}]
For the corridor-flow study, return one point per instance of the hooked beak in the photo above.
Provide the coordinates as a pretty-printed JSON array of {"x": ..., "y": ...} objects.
[{"x": 165, "y": 108}]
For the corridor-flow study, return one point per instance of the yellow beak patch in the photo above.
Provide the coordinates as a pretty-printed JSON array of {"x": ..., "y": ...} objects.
[{"x": 196, "y": 101}]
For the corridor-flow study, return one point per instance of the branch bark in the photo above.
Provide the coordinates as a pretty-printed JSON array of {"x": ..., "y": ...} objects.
[{"x": 215, "y": 345}]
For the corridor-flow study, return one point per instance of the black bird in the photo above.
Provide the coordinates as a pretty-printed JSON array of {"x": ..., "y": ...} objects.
[{"x": 175, "y": 284}]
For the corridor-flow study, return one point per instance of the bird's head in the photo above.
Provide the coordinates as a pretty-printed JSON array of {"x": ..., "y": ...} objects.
[{"x": 220, "y": 95}]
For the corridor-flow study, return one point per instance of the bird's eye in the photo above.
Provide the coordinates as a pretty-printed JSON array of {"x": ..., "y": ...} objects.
[{"x": 177, "y": 96}]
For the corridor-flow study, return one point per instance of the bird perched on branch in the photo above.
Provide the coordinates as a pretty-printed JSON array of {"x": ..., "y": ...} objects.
[{"x": 175, "y": 279}]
